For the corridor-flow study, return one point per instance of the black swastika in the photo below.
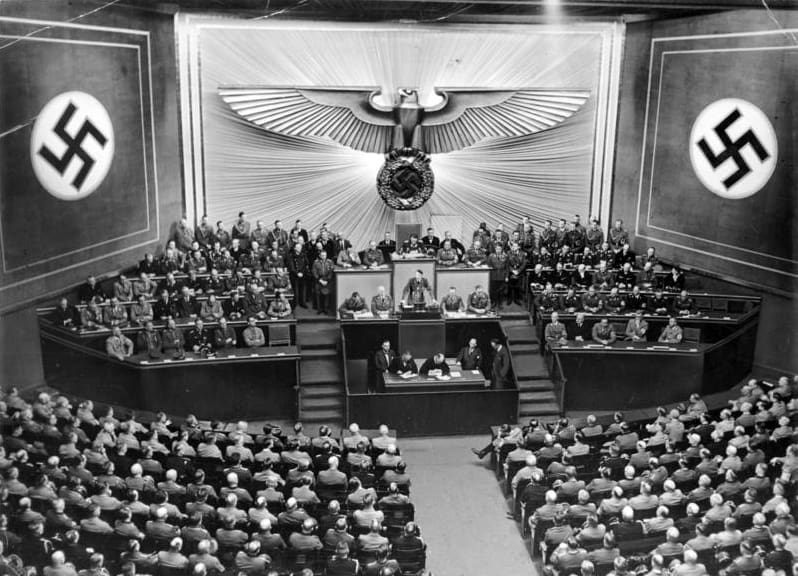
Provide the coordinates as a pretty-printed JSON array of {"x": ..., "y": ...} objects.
[
  {"x": 732, "y": 149},
  {"x": 74, "y": 147}
]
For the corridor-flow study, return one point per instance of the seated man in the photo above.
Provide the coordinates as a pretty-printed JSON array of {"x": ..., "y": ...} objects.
[
  {"x": 476, "y": 255},
  {"x": 352, "y": 305},
  {"x": 683, "y": 305},
  {"x": 141, "y": 312},
  {"x": 404, "y": 364},
  {"x": 118, "y": 345},
  {"x": 253, "y": 335},
  {"x": 115, "y": 314},
  {"x": 452, "y": 301},
  {"x": 579, "y": 331},
  {"x": 636, "y": 328},
  {"x": 65, "y": 315},
  {"x": 382, "y": 303},
  {"x": 470, "y": 356},
  {"x": 447, "y": 256},
  {"x": 604, "y": 332},
  {"x": 436, "y": 362},
  {"x": 555, "y": 332},
  {"x": 224, "y": 336},
  {"x": 672, "y": 333},
  {"x": 479, "y": 301},
  {"x": 373, "y": 256},
  {"x": 280, "y": 307},
  {"x": 149, "y": 341},
  {"x": 199, "y": 339}
]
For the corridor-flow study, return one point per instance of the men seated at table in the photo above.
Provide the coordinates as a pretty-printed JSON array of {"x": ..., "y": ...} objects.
[
  {"x": 199, "y": 339},
  {"x": 436, "y": 363},
  {"x": 404, "y": 364},
  {"x": 446, "y": 255},
  {"x": 479, "y": 301},
  {"x": 672, "y": 333},
  {"x": 224, "y": 336},
  {"x": 683, "y": 305},
  {"x": 476, "y": 255},
  {"x": 381, "y": 303},
  {"x": 355, "y": 304}
]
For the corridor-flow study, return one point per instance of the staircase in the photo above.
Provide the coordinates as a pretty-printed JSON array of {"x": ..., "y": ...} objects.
[
  {"x": 321, "y": 382},
  {"x": 536, "y": 398}
]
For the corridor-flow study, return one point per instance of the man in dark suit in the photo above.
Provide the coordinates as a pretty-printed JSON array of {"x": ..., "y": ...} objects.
[
  {"x": 470, "y": 357},
  {"x": 382, "y": 363},
  {"x": 580, "y": 331},
  {"x": 65, "y": 315},
  {"x": 436, "y": 362},
  {"x": 500, "y": 366},
  {"x": 387, "y": 247},
  {"x": 403, "y": 364}
]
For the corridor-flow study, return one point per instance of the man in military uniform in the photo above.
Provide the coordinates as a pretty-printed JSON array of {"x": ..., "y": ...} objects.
[
  {"x": 417, "y": 290},
  {"x": 149, "y": 341},
  {"x": 412, "y": 247},
  {"x": 241, "y": 230},
  {"x": 548, "y": 237},
  {"x": 659, "y": 304},
  {"x": 672, "y": 333},
  {"x": 587, "y": 257},
  {"x": 516, "y": 267},
  {"x": 252, "y": 259},
  {"x": 355, "y": 303},
  {"x": 234, "y": 307},
  {"x": 203, "y": 234},
  {"x": 555, "y": 332},
  {"x": 577, "y": 237},
  {"x": 581, "y": 279},
  {"x": 298, "y": 269},
  {"x": 280, "y": 282},
  {"x": 614, "y": 303},
  {"x": 604, "y": 278},
  {"x": 683, "y": 305},
  {"x": 479, "y": 301},
  {"x": 387, "y": 247},
  {"x": 254, "y": 303},
  {"x": 117, "y": 345},
  {"x": 526, "y": 238},
  {"x": 199, "y": 339},
  {"x": 591, "y": 300},
  {"x": 626, "y": 255},
  {"x": 565, "y": 256},
  {"x": 570, "y": 302},
  {"x": 280, "y": 307},
  {"x": 561, "y": 235},
  {"x": 594, "y": 235},
  {"x": 447, "y": 256},
  {"x": 475, "y": 256},
  {"x": 456, "y": 244},
  {"x": 278, "y": 234},
  {"x": 215, "y": 283},
  {"x": 221, "y": 235},
  {"x": 470, "y": 356},
  {"x": 452, "y": 302},
  {"x": 253, "y": 335},
  {"x": 647, "y": 278},
  {"x": 605, "y": 254},
  {"x": 259, "y": 234},
  {"x": 382, "y": 303},
  {"x": 636, "y": 328},
  {"x": 618, "y": 236},
  {"x": 373, "y": 257},
  {"x": 545, "y": 258},
  {"x": 498, "y": 274},
  {"x": 224, "y": 336},
  {"x": 604, "y": 332},
  {"x": 172, "y": 339},
  {"x": 547, "y": 301},
  {"x": 626, "y": 278},
  {"x": 323, "y": 271}
]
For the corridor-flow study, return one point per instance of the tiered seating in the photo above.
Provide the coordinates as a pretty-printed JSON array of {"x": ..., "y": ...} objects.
[
  {"x": 620, "y": 495},
  {"x": 167, "y": 498}
]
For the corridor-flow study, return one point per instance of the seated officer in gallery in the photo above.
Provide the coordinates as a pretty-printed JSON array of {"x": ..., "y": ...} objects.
[
  {"x": 452, "y": 302},
  {"x": 382, "y": 303},
  {"x": 355, "y": 303},
  {"x": 404, "y": 364},
  {"x": 479, "y": 301}
]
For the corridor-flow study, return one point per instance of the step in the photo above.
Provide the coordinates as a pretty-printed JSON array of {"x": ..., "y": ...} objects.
[
  {"x": 316, "y": 353},
  {"x": 321, "y": 390},
  {"x": 529, "y": 366},
  {"x": 317, "y": 335},
  {"x": 306, "y": 404},
  {"x": 328, "y": 416},
  {"x": 537, "y": 397},
  {"x": 535, "y": 385},
  {"x": 320, "y": 371},
  {"x": 538, "y": 410}
]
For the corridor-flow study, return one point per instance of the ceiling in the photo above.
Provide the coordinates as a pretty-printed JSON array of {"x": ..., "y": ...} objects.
[{"x": 508, "y": 11}]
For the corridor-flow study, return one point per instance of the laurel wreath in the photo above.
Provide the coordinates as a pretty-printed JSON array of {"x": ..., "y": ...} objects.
[{"x": 404, "y": 159}]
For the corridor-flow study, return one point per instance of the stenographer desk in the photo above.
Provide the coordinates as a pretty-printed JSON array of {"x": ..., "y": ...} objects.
[
  {"x": 422, "y": 405},
  {"x": 236, "y": 383}
]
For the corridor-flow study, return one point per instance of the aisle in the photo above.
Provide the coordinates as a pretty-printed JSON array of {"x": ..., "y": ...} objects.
[{"x": 461, "y": 510}]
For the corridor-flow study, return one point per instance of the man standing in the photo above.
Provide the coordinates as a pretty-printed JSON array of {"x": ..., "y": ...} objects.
[
  {"x": 323, "y": 270},
  {"x": 203, "y": 234},
  {"x": 500, "y": 368},
  {"x": 241, "y": 229},
  {"x": 382, "y": 363},
  {"x": 298, "y": 271},
  {"x": 118, "y": 345},
  {"x": 470, "y": 356},
  {"x": 417, "y": 290},
  {"x": 516, "y": 266},
  {"x": 618, "y": 236},
  {"x": 498, "y": 274}
]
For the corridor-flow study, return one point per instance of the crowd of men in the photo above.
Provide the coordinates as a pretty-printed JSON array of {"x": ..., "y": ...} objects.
[
  {"x": 93, "y": 494},
  {"x": 692, "y": 493}
]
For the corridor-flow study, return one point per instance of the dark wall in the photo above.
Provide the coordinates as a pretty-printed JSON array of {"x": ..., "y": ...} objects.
[
  {"x": 38, "y": 73},
  {"x": 777, "y": 345}
]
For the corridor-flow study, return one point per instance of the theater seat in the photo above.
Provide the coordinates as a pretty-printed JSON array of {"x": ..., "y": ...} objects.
[{"x": 279, "y": 335}]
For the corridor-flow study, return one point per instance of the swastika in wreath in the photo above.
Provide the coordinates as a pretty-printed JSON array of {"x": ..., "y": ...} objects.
[{"x": 405, "y": 181}]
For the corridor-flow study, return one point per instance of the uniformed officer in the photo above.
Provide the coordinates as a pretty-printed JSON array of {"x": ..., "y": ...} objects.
[
  {"x": 604, "y": 332},
  {"x": 417, "y": 290},
  {"x": 683, "y": 305},
  {"x": 614, "y": 303},
  {"x": 577, "y": 237},
  {"x": 355, "y": 303},
  {"x": 618, "y": 236},
  {"x": 547, "y": 300},
  {"x": 672, "y": 333},
  {"x": 452, "y": 302},
  {"x": 635, "y": 300},
  {"x": 253, "y": 336},
  {"x": 516, "y": 266},
  {"x": 594, "y": 235},
  {"x": 498, "y": 274},
  {"x": 591, "y": 300},
  {"x": 479, "y": 301},
  {"x": 538, "y": 278},
  {"x": 149, "y": 341},
  {"x": 581, "y": 279},
  {"x": 323, "y": 271},
  {"x": 447, "y": 256},
  {"x": 570, "y": 302},
  {"x": 373, "y": 257},
  {"x": 555, "y": 332},
  {"x": 199, "y": 339},
  {"x": 382, "y": 303},
  {"x": 561, "y": 278},
  {"x": 626, "y": 278},
  {"x": 475, "y": 256},
  {"x": 565, "y": 256},
  {"x": 280, "y": 307},
  {"x": 118, "y": 345},
  {"x": 548, "y": 238},
  {"x": 659, "y": 304},
  {"x": 561, "y": 235},
  {"x": 254, "y": 303}
]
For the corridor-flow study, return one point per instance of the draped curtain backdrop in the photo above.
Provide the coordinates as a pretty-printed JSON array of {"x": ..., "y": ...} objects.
[{"x": 238, "y": 166}]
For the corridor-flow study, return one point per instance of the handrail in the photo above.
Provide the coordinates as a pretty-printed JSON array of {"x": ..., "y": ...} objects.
[{"x": 346, "y": 375}]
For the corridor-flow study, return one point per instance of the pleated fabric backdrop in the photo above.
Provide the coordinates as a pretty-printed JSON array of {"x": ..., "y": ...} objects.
[{"x": 238, "y": 166}]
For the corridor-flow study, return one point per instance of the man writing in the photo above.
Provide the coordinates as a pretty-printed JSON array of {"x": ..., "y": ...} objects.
[
  {"x": 433, "y": 364},
  {"x": 404, "y": 365}
]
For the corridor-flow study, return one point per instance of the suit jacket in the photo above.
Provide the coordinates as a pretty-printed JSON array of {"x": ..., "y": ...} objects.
[
  {"x": 429, "y": 364},
  {"x": 381, "y": 363},
  {"x": 400, "y": 366},
  {"x": 576, "y": 330},
  {"x": 470, "y": 360},
  {"x": 501, "y": 366}
]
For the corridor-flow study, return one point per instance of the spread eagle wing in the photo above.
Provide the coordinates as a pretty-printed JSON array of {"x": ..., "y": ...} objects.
[
  {"x": 468, "y": 116},
  {"x": 346, "y": 115}
]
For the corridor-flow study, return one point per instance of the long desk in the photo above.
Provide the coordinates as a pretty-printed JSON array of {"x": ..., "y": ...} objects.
[
  {"x": 237, "y": 383},
  {"x": 416, "y": 406},
  {"x": 630, "y": 375}
]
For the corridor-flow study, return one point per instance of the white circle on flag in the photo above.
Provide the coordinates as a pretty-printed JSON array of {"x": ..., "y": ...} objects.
[
  {"x": 733, "y": 148},
  {"x": 72, "y": 145}
]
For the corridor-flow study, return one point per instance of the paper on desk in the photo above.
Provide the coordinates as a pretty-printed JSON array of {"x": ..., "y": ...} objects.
[
  {"x": 455, "y": 374},
  {"x": 475, "y": 371},
  {"x": 406, "y": 375},
  {"x": 281, "y": 353}
]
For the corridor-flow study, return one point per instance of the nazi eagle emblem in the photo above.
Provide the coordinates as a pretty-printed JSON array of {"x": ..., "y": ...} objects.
[{"x": 403, "y": 127}]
